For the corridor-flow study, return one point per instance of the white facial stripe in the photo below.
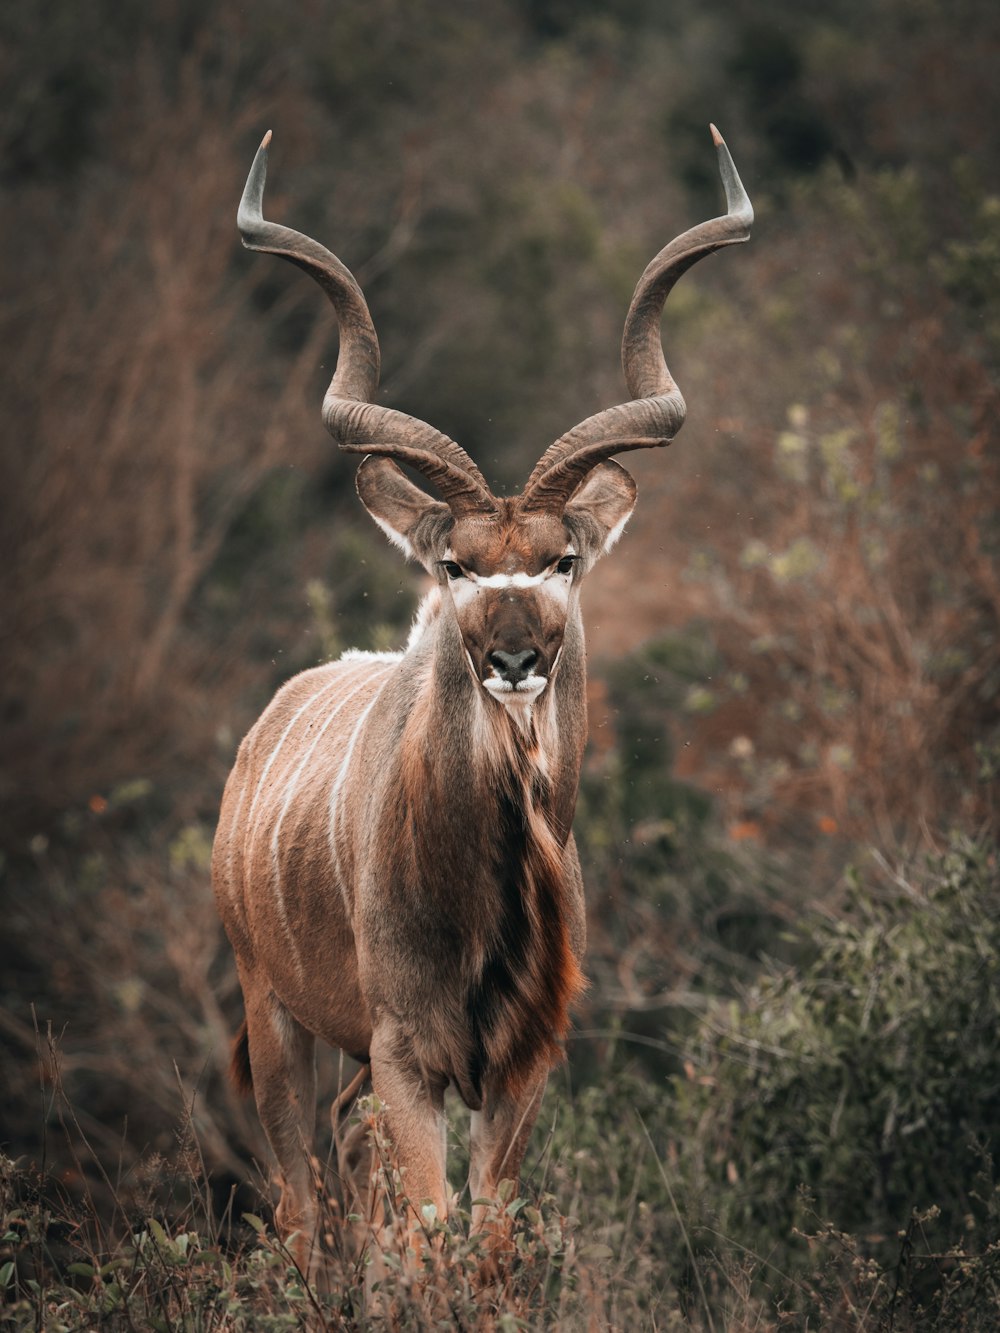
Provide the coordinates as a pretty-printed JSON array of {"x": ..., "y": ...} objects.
[
  {"x": 555, "y": 591},
  {"x": 463, "y": 591},
  {"x": 518, "y": 580}
]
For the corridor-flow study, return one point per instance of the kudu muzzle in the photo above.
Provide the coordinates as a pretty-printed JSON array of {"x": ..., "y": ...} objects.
[{"x": 514, "y": 644}]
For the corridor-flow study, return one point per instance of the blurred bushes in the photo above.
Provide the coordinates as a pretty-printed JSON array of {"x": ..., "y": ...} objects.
[
  {"x": 830, "y": 1139},
  {"x": 855, "y": 600},
  {"x": 868, "y": 1076}
]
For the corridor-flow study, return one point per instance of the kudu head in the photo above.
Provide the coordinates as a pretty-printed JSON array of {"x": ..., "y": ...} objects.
[{"x": 509, "y": 569}]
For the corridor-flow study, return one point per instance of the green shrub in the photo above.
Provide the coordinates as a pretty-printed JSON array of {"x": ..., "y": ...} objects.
[{"x": 863, "y": 1089}]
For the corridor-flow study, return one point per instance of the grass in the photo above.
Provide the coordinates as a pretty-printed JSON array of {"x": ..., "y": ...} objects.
[{"x": 823, "y": 1160}]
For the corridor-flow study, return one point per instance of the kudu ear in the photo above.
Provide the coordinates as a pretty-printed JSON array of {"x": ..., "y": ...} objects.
[
  {"x": 607, "y": 499},
  {"x": 396, "y": 505}
]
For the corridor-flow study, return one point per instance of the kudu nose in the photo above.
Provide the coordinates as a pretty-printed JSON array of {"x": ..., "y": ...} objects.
[{"x": 513, "y": 667}]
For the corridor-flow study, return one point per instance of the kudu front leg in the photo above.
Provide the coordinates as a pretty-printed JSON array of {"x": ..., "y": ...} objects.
[
  {"x": 499, "y": 1139},
  {"x": 414, "y": 1117}
]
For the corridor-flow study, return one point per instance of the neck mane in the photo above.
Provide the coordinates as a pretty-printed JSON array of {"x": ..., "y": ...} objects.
[{"x": 480, "y": 801}]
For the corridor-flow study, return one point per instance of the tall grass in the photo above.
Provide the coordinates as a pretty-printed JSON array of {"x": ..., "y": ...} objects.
[{"x": 822, "y": 1158}]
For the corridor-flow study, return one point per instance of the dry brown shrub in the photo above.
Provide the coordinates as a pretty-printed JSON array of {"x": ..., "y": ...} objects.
[
  {"x": 146, "y": 410},
  {"x": 831, "y": 520}
]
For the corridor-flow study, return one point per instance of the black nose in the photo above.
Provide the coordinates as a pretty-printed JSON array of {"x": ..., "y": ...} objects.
[{"x": 513, "y": 667}]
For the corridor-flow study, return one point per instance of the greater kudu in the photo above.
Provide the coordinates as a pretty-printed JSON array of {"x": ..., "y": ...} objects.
[{"x": 394, "y": 863}]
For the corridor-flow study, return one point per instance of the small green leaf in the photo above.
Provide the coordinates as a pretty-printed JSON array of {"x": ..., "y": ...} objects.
[
  {"x": 6, "y": 1273},
  {"x": 211, "y": 1257},
  {"x": 127, "y": 793},
  {"x": 596, "y": 1252},
  {"x": 253, "y": 1221},
  {"x": 81, "y": 1270},
  {"x": 113, "y": 1296}
]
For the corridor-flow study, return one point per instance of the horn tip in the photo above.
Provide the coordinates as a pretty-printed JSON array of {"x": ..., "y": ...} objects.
[
  {"x": 249, "y": 215},
  {"x": 738, "y": 203}
]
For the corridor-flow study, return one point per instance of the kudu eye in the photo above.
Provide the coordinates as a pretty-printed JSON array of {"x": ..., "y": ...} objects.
[
  {"x": 451, "y": 569},
  {"x": 565, "y": 565}
]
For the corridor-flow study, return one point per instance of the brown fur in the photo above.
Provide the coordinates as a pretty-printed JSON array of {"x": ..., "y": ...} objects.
[
  {"x": 239, "y": 1066},
  {"x": 518, "y": 997},
  {"x": 394, "y": 863},
  {"x": 520, "y": 1005}
]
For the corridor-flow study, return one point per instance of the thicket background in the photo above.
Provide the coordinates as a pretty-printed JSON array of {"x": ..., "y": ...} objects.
[{"x": 794, "y": 651}]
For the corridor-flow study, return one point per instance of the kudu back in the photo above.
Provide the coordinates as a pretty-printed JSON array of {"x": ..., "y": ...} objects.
[{"x": 394, "y": 862}]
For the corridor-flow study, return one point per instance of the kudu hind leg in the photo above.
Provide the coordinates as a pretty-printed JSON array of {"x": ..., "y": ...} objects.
[
  {"x": 282, "y": 1059},
  {"x": 355, "y": 1159}
]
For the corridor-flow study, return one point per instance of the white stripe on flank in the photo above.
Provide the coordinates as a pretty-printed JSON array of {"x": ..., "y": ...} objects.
[
  {"x": 251, "y": 831},
  {"x": 235, "y": 897},
  {"x": 335, "y": 791},
  {"x": 289, "y": 795}
]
